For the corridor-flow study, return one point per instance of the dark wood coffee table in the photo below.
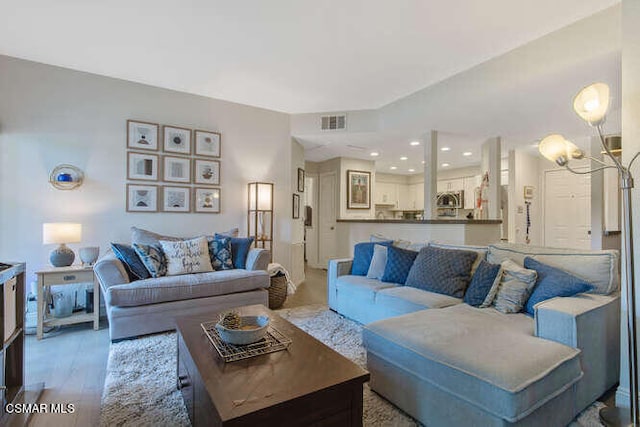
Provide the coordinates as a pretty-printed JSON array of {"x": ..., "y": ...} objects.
[{"x": 306, "y": 384}]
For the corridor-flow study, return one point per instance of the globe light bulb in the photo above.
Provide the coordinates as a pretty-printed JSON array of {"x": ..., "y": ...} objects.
[{"x": 592, "y": 103}]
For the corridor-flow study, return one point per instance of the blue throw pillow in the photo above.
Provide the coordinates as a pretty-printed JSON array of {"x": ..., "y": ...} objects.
[
  {"x": 399, "y": 262},
  {"x": 362, "y": 254},
  {"x": 481, "y": 283},
  {"x": 444, "y": 271},
  {"x": 220, "y": 252},
  {"x": 552, "y": 282},
  {"x": 239, "y": 249},
  {"x": 132, "y": 262},
  {"x": 153, "y": 258}
]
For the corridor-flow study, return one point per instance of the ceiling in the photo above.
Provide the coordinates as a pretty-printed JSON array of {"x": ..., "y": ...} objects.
[{"x": 292, "y": 56}]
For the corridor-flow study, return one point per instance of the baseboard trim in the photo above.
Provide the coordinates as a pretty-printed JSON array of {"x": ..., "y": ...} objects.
[{"x": 623, "y": 397}]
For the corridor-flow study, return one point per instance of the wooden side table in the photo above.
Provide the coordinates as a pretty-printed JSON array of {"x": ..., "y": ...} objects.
[{"x": 67, "y": 276}]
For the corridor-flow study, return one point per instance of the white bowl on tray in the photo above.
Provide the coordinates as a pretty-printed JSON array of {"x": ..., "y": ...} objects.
[{"x": 252, "y": 329}]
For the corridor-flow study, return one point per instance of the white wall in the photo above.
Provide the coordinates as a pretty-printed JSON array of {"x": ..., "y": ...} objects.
[
  {"x": 524, "y": 171},
  {"x": 297, "y": 225},
  {"x": 51, "y": 115}
]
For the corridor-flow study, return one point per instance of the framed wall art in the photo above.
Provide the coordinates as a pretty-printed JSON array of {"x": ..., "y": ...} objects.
[
  {"x": 528, "y": 192},
  {"x": 142, "y": 135},
  {"x": 206, "y": 172},
  {"x": 177, "y": 169},
  {"x": 358, "y": 189},
  {"x": 207, "y": 143},
  {"x": 142, "y": 198},
  {"x": 207, "y": 200},
  {"x": 301, "y": 180},
  {"x": 176, "y": 199},
  {"x": 296, "y": 206},
  {"x": 176, "y": 139},
  {"x": 142, "y": 166}
]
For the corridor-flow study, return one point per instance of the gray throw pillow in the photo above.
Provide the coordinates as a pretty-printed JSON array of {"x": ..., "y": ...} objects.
[
  {"x": 444, "y": 271},
  {"x": 378, "y": 262},
  {"x": 515, "y": 287},
  {"x": 146, "y": 237}
]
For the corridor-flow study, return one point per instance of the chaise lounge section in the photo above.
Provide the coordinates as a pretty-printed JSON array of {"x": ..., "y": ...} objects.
[{"x": 445, "y": 362}]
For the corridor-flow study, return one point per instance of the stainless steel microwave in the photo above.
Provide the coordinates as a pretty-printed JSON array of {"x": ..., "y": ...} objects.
[{"x": 450, "y": 199}]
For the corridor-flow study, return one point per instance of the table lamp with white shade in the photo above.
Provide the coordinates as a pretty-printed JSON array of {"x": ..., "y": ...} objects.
[{"x": 61, "y": 233}]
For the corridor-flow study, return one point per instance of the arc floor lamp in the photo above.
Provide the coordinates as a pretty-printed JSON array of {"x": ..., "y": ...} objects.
[{"x": 591, "y": 104}]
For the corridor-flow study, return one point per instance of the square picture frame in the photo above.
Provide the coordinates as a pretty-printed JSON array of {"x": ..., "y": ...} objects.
[
  {"x": 301, "y": 180},
  {"x": 142, "y": 166},
  {"x": 296, "y": 206},
  {"x": 207, "y": 143},
  {"x": 206, "y": 200},
  {"x": 206, "y": 172},
  {"x": 358, "y": 189},
  {"x": 142, "y": 198},
  {"x": 177, "y": 169},
  {"x": 142, "y": 135},
  {"x": 176, "y": 139},
  {"x": 176, "y": 199}
]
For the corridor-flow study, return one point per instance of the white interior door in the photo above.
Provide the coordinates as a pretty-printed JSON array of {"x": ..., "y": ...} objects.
[
  {"x": 567, "y": 210},
  {"x": 327, "y": 218}
]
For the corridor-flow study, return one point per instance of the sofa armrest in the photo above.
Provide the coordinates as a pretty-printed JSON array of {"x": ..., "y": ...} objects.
[
  {"x": 258, "y": 259},
  {"x": 337, "y": 268},
  {"x": 110, "y": 271},
  {"x": 591, "y": 323}
]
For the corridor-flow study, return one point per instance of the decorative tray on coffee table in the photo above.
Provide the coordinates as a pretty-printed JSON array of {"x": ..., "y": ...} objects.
[{"x": 273, "y": 341}]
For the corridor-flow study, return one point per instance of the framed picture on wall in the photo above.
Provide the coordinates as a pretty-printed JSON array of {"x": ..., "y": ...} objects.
[
  {"x": 358, "y": 189},
  {"x": 177, "y": 140},
  {"x": 177, "y": 169},
  {"x": 207, "y": 143},
  {"x": 176, "y": 199},
  {"x": 142, "y": 166},
  {"x": 206, "y": 172},
  {"x": 142, "y": 198},
  {"x": 207, "y": 200},
  {"x": 301, "y": 180},
  {"x": 296, "y": 206},
  {"x": 142, "y": 135}
]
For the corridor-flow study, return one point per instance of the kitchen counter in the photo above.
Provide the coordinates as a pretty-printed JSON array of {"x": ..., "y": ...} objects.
[{"x": 425, "y": 221}]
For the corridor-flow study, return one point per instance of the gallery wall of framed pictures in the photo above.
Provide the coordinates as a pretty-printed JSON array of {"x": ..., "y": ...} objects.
[{"x": 172, "y": 169}]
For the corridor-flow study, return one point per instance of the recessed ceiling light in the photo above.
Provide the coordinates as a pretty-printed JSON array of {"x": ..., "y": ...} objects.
[
  {"x": 423, "y": 162},
  {"x": 403, "y": 158},
  {"x": 412, "y": 170},
  {"x": 374, "y": 154},
  {"x": 467, "y": 153},
  {"x": 393, "y": 168},
  {"x": 414, "y": 143},
  {"x": 445, "y": 149},
  {"x": 445, "y": 165}
]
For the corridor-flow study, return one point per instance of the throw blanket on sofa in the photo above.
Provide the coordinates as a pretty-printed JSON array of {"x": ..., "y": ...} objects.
[{"x": 275, "y": 269}]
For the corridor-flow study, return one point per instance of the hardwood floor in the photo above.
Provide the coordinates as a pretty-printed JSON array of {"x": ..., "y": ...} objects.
[{"x": 72, "y": 361}]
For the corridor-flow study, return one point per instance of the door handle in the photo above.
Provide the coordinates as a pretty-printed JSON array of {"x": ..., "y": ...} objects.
[{"x": 332, "y": 228}]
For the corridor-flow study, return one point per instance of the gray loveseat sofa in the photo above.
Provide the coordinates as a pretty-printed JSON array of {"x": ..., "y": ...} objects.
[
  {"x": 151, "y": 305},
  {"x": 447, "y": 363}
]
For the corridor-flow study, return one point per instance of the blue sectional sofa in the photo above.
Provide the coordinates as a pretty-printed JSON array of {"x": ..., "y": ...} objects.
[{"x": 447, "y": 363}]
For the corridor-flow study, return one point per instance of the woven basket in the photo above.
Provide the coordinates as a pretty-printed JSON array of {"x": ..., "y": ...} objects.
[{"x": 277, "y": 292}]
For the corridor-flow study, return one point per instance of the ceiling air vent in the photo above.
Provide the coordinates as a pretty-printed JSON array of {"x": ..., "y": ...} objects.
[{"x": 333, "y": 122}]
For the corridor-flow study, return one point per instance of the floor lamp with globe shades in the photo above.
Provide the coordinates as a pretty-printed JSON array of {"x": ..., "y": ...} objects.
[{"x": 591, "y": 104}]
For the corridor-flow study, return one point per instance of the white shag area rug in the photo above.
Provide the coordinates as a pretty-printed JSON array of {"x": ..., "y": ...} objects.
[{"x": 140, "y": 387}]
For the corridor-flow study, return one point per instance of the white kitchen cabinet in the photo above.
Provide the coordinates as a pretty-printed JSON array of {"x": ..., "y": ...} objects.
[
  {"x": 470, "y": 185},
  {"x": 416, "y": 196},
  {"x": 386, "y": 193},
  {"x": 404, "y": 197},
  {"x": 450, "y": 185}
]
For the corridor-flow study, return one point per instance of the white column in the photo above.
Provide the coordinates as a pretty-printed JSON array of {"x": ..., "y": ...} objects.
[
  {"x": 430, "y": 143},
  {"x": 490, "y": 162}
]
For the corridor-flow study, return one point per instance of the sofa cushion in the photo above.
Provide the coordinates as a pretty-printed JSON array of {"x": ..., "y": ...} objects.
[
  {"x": 131, "y": 261},
  {"x": 378, "y": 262},
  {"x": 405, "y": 299},
  {"x": 360, "y": 287},
  {"x": 153, "y": 258},
  {"x": 481, "y": 283},
  {"x": 220, "y": 252},
  {"x": 445, "y": 271},
  {"x": 486, "y": 358},
  {"x": 515, "y": 287},
  {"x": 187, "y": 256},
  {"x": 399, "y": 262},
  {"x": 362, "y": 254},
  {"x": 188, "y": 286},
  {"x": 600, "y": 268},
  {"x": 552, "y": 282},
  {"x": 239, "y": 249}
]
